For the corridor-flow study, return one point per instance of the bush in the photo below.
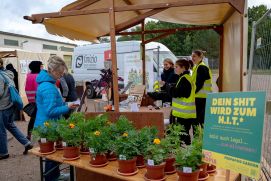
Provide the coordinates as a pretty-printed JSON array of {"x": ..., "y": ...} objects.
[{"x": 48, "y": 130}]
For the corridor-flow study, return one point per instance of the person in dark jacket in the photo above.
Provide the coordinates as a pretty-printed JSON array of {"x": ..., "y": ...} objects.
[
  {"x": 168, "y": 76},
  {"x": 183, "y": 102},
  {"x": 67, "y": 87},
  {"x": 15, "y": 73}
]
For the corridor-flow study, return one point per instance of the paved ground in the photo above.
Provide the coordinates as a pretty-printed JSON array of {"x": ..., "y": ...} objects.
[{"x": 19, "y": 167}]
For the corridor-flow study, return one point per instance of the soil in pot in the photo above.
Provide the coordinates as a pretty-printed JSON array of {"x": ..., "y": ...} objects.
[
  {"x": 155, "y": 172},
  {"x": 127, "y": 166},
  {"x": 98, "y": 161},
  {"x": 71, "y": 152},
  {"x": 140, "y": 161},
  {"x": 47, "y": 147},
  {"x": 188, "y": 176},
  {"x": 203, "y": 170},
  {"x": 170, "y": 166}
]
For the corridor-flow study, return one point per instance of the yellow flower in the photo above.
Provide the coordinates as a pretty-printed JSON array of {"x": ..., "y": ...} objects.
[
  {"x": 108, "y": 122},
  {"x": 97, "y": 133},
  {"x": 71, "y": 125},
  {"x": 156, "y": 141},
  {"x": 46, "y": 124},
  {"x": 125, "y": 134}
]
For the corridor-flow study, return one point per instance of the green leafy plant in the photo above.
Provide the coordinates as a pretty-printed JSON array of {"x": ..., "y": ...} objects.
[
  {"x": 172, "y": 140},
  {"x": 197, "y": 142},
  {"x": 98, "y": 141},
  {"x": 156, "y": 152},
  {"x": 126, "y": 145},
  {"x": 145, "y": 137},
  {"x": 188, "y": 157},
  {"x": 48, "y": 130},
  {"x": 70, "y": 133}
]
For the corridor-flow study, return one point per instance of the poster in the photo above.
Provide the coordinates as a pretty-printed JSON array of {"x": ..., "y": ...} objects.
[
  {"x": 233, "y": 131},
  {"x": 133, "y": 69}
]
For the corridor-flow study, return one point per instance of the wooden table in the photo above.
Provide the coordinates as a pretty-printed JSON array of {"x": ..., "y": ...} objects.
[{"x": 109, "y": 172}]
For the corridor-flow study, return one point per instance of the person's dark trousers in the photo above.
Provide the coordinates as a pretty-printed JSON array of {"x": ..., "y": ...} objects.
[
  {"x": 54, "y": 174},
  {"x": 200, "y": 108},
  {"x": 187, "y": 123},
  {"x": 30, "y": 126}
]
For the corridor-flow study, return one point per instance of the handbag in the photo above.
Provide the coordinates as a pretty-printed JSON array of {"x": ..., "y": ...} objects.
[
  {"x": 14, "y": 95},
  {"x": 30, "y": 109}
]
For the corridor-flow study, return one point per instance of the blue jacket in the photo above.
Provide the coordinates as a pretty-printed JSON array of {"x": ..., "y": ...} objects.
[{"x": 50, "y": 104}]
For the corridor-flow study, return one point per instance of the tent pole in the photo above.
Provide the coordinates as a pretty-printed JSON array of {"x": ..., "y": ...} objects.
[
  {"x": 113, "y": 55},
  {"x": 143, "y": 52}
]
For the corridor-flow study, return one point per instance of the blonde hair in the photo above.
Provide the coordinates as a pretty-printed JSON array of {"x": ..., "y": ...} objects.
[
  {"x": 56, "y": 63},
  {"x": 168, "y": 60}
]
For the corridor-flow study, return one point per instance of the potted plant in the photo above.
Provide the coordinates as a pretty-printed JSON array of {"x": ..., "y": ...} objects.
[
  {"x": 126, "y": 149},
  {"x": 46, "y": 136},
  {"x": 155, "y": 163},
  {"x": 187, "y": 162},
  {"x": 116, "y": 130},
  {"x": 197, "y": 144},
  {"x": 144, "y": 138},
  {"x": 98, "y": 143},
  {"x": 71, "y": 136},
  {"x": 170, "y": 144}
]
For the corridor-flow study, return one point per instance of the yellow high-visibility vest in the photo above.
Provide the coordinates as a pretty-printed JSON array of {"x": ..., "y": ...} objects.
[
  {"x": 207, "y": 86},
  {"x": 156, "y": 86},
  {"x": 185, "y": 107}
]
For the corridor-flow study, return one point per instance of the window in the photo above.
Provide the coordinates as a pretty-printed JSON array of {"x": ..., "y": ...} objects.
[
  {"x": 49, "y": 47},
  {"x": 68, "y": 61},
  {"x": 11, "y": 42},
  {"x": 66, "y": 49}
]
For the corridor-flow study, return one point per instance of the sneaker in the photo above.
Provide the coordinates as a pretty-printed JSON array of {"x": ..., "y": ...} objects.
[
  {"x": 4, "y": 157},
  {"x": 28, "y": 147}
]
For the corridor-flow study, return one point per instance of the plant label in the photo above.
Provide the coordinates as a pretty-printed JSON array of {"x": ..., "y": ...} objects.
[
  {"x": 64, "y": 144},
  {"x": 91, "y": 150},
  {"x": 43, "y": 140},
  {"x": 150, "y": 162},
  {"x": 187, "y": 169},
  {"x": 122, "y": 157}
]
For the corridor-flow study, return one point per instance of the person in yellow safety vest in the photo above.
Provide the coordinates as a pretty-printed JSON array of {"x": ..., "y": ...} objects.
[
  {"x": 156, "y": 86},
  {"x": 183, "y": 102},
  {"x": 202, "y": 77}
]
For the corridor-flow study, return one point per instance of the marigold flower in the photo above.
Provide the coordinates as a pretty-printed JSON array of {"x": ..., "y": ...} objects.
[
  {"x": 97, "y": 133},
  {"x": 71, "y": 125},
  {"x": 156, "y": 141},
  {"x": 46, "y": 124},
  {"x": 108, "y": 122},
  {"x": 125, "y": 134}
]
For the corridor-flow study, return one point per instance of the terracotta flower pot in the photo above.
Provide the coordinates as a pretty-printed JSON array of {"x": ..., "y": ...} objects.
[
  {"x": 211, "y": 168},
  {"x": 203, "y": 170},
  {"x": 46, "y": 147},
  {"x": 98, "y": 160},
  {"x": 140, "y": 161},
  {"x": 170, "y": 167},
  {"x": 111, "y": 156},
  {"x": 188, "y": 176},
  {"x": 59, "y": 145},
  {"x": 71, "y": 152},
  {"x": 155, "y": 172},
  {"x": 127, "y": 166}
]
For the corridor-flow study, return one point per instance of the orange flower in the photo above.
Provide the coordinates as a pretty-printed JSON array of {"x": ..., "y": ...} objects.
[
  {"x": 125, "y": 134},
  {"x": 46, "y": 124},
  {"x": 97, "y": 133},
  {"x": 156, "y": 141},
  {"x": 71, "y": 125}
]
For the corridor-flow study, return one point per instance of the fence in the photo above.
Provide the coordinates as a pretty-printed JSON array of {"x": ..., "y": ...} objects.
[{"x": 260, "y": 80}]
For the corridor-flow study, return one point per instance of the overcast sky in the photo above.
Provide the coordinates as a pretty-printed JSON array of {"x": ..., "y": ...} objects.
[{"x": 12, "y": 13}]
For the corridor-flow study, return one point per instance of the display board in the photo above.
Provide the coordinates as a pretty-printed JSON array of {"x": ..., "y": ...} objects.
[{"x": 233, "y": 131}]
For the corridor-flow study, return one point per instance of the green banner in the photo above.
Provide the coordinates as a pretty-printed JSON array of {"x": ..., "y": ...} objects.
[{"x": 233, "y": 131}]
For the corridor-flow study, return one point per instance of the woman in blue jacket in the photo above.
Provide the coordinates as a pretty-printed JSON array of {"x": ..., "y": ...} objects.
[{"x": 50, "y": 105}]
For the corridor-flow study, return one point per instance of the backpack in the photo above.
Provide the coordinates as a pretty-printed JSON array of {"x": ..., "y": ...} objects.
[{"x": 14, "y": 95}]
